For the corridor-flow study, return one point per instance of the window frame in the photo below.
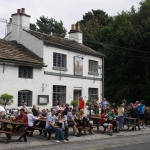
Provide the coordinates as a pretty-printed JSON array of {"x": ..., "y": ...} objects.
[
  {"x": 20, "y": 68},
  {"x": 91, "y": 72},
  {"x": 22, "y": 100},
  {"x": 60, "y": 94},
  {"x": 57, "y": 67},
  {"x": 93, "y": 95}
]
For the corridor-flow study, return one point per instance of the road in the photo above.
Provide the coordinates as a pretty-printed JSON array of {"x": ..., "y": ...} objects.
[{"x": 139, "y": 142}]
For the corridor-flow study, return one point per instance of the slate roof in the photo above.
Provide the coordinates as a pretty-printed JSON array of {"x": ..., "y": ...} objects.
[
  {"x": 64, "y": 43},
  {"x": 10, "y": 50}
]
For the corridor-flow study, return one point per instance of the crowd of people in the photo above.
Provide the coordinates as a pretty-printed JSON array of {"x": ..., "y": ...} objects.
[{"x": 62, "y": 117}]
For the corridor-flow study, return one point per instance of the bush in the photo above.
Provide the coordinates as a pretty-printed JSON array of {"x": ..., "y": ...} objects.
[
  {"x": 74, "y": 103},
  {"x": 6, "y": 99}
]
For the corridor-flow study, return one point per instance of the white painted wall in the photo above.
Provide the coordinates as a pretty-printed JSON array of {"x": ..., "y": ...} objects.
[
  {"x": 48, "y": 59},
  {"x": 32, "y": 43},
  {"x": 10, "y": 83},
  {"x": 76, "y": 37}
]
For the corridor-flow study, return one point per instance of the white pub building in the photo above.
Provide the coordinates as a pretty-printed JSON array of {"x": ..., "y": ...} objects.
[{"x": 43, "y": 70}]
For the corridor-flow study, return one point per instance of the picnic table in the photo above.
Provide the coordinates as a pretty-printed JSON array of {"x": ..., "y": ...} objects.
[
  {"x": 131, "y": 122},
  {"x": 13, "y": 130},
  {"x": 95, "y": 121}
]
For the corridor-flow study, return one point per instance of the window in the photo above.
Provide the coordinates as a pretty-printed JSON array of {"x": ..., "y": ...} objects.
[
  {"x": 25, "y": 72},
  {"x": 26, "y": 96},
  {"x": 59, "y": 62},
  {"x": 93, "y": 93},
  {"x": 93, "y": 67},
  {"x": 59, "y": 95}
]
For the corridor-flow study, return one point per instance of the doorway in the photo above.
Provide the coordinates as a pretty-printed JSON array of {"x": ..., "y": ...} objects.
[{"x": 77, "y": 94}]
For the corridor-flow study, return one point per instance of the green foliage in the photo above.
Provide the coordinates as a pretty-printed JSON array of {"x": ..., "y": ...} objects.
[
  {"x": 96, "y": 115},
  {"x": 6, "y": 99},
  {"x": 49, "y": 26},
  {"x": 74, "y": 103},
  {"x": 125, "y": 41},
  {"x": 33, "y": 27}
]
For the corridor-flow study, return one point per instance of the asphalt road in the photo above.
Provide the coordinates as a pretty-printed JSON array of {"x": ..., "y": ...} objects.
[{"x": 139, "y": 142}]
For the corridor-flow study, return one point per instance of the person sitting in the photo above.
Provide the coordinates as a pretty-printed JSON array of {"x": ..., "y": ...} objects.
[
  {"x": 112, "y": 120},
  {"x": 31, "y": 119},
  {"x": 42, "y": 123},
  {"x": 83, "y": 121},
  {"x": 105, "y": 123},
  {"x": 58, "y": 108},
  {"x": 133, "y": 112},
  {"x": 51, "y": 127},
  {"x": 24, "y": 106},
  {"x": 67, "y": 109},
  {"x": 62, "y": 107},
  {"x": 71, "y": 116},
  {"x": 35, "y": 111},
  {"x": 62, "y": 121},
  {"x": 22, "y": 118}
]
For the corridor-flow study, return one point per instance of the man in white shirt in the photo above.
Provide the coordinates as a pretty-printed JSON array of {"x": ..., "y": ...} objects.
[
  {"x": 71, "y": 116},
  {"x": 24, "y": 106},
  {"x": 31, "y": 119},
  {"x": 2, "y": 112},
  {"x": 51, "y": 127}
]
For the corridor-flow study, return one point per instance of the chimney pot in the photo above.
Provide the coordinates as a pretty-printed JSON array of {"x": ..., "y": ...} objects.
[
  {"x": 10, "y": 20},
  {"x": 23, "y": 10},
  {"x": 78, "y": 27},
  {"x": 18, "y": 11},
  {"x": 73, "y": 27}
]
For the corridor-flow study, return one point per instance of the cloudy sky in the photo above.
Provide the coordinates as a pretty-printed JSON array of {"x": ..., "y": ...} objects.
[{"x": 69, "y": 11}]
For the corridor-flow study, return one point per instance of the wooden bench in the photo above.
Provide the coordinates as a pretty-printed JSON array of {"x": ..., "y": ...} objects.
[
  {"x": 37, "y": 128},
  {"x": 131, "y": 122},
  {"x": 80, "y": 129},
  {"x": 13, "y": 131}
]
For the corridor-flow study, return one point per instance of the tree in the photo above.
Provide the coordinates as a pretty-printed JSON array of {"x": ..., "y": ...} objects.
[
  {"x": 6, "y": 99},
  {"x": 125, "y": 41},
  {"x": 49, "y": 26}
]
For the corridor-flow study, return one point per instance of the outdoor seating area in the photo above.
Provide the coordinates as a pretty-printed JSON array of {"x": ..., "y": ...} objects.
[{"x": 63, "y": 122}]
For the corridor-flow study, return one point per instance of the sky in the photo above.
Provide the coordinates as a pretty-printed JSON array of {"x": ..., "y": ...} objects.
[{"x": 69, "y": 11}]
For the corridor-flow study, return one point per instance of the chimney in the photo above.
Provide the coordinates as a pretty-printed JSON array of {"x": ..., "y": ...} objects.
[
  {"x": 9, "y": 26},
  {"x": 76, "y": 33},
  {"x": 20, "y": 20}
]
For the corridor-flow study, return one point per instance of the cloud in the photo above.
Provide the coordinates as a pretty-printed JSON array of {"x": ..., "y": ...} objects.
[{"x": 69, "y": 11}]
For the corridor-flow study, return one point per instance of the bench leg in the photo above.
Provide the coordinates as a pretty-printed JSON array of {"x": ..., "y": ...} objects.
[
  {"x": 49, "y": 136},
  {"x": 8, "y": 138},
  {"x": 98, "y": 127},
  {"x": 25, "y": 138}
]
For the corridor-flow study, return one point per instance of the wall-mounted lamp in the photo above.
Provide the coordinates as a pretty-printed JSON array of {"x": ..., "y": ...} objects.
[
  {"x": 80, "y": 57},
  {"x": 100, "y": 66}
]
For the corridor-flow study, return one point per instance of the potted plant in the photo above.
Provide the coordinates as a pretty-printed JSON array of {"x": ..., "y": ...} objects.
[
  {"x": 74, "y": 103},
  {"x": 6, "y": 99}
]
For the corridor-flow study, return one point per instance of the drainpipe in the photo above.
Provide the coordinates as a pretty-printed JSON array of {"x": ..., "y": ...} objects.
[{"x": 102, "y": 77}]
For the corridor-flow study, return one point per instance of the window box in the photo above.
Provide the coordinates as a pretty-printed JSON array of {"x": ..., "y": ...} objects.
[{"x": 93, "y": 73}]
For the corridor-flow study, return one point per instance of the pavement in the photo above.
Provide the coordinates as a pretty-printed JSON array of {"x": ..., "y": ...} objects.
[{"x": 39, "y": 141}]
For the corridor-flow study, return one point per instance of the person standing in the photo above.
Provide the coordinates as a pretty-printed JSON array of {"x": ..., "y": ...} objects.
[
  {"x": 141, "y": 109},
  {"x": 96, "y": 105},
  {"x": 121, "y": 116},
  {"x": 104, "y": 104},
  {"x": 81, "y": 103},
  {"x": 51, "y": 127}
]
